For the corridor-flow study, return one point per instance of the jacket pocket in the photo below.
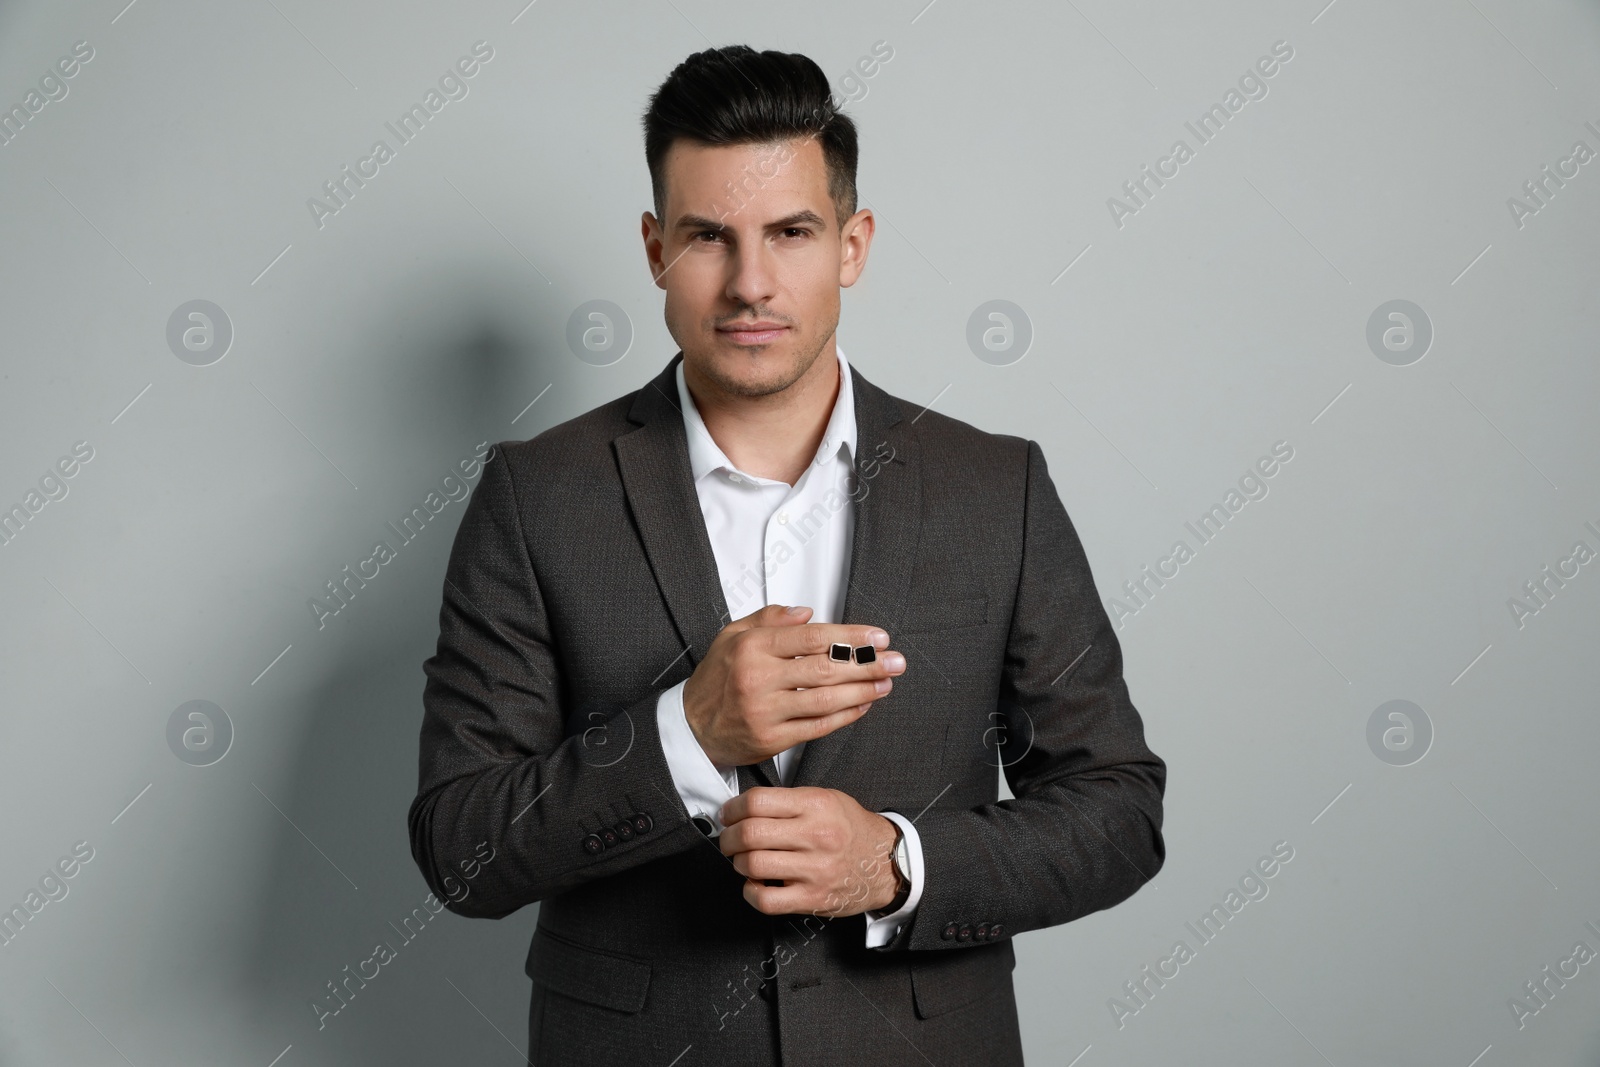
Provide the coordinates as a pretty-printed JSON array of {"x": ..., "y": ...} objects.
[
  {"x": 959, "y": 976},
  {"x": 607, "y": 979}
]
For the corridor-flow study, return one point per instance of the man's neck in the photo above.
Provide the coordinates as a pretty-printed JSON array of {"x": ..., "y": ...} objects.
[{"x": 772, "y": 436}]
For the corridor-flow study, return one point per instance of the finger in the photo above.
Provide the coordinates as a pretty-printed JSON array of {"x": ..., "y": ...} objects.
[
  {"x": 731, "y": 841},
  {"x": 791, "y": 641},
  {"x": 773, "y": 615},
  {"x": 756, "y": 835},
  {"x": 823, "y": 725},
  {"x": 811, "y": 728},
  {"x": 764, "y": 801},
  {"x": 824, "y": 700},
  {"x": 778, "y": 900},
  {"x": 792, "y": 730},
  {"x": 767, "y": 865},
  {"x": 819, "y": 669}
]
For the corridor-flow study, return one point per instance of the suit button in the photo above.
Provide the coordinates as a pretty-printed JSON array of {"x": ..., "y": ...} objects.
[
  {"x": 641, "y": 823},
  {"x": 609, "y": 836},
  {"x": 592, "y": 844},
  {"x": 624, "y": 830},
  {"x": 949, "y": 932},
  {"x": 982, "y": 932},
  {"x": 705, "y": 825},
  {"x": 965, "y": 933},
  {"x": 994, "y": 930}
]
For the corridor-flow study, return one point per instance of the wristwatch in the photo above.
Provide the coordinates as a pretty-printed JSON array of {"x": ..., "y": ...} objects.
[{"x": 902, "y": 869}]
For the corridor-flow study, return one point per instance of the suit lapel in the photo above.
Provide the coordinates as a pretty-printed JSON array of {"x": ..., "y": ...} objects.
[
  {"x": 888, "y": 524},
  {"x": 659, "y": 482}
]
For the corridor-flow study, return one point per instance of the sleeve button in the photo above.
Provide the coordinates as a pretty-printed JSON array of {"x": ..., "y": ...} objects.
[
  {"x": 965, "y": 933},
  {"x": 948, "y": 933},
  {"x": 641, "y": 823},
  {"x": 592, "y": 844}
]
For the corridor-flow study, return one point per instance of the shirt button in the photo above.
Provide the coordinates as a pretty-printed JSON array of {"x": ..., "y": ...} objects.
[
  {"x": 734, "y": 477},
  {"x": 783, "y": 516}
]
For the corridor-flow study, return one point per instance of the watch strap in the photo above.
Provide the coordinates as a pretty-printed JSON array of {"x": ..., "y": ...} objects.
[{"x": 901, "y": 857}]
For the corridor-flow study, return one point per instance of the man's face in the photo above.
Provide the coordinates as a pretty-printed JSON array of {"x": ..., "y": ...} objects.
[{"x": 752, "y": 257}]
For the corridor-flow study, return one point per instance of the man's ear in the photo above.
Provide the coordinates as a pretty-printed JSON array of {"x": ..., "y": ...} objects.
[
  {"x": 650, "y": 231},
  {"x": 855, "y": 239}
]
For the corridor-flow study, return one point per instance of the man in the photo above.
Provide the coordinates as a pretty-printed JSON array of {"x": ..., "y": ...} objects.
[{"x": 665, "y": 693}]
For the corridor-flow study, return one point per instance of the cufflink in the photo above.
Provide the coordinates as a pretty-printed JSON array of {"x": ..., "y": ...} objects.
[
  {"x": 839, "y": 652},
  {"x": 866, "y": 654}
]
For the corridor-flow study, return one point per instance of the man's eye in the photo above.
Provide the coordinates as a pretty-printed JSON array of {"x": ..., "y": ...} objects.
[
  {"x": 713, "y": 234},
  {"x": 796, "y": 231}
]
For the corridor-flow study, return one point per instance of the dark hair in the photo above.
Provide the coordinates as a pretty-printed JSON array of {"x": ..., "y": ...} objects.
[{"x": 736, "y": 95}]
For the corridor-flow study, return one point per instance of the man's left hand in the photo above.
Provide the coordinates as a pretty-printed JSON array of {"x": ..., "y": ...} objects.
[{"x": 831, "y": 854}]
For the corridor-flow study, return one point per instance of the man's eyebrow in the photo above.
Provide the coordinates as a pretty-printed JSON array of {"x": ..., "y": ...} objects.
[
  {"x": 697, "y": 222},
  {"x": 701, "y": 222},
  {"x": 798, "y": 217}
]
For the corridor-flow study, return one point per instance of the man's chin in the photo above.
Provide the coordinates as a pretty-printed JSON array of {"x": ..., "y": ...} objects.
[{"x": 752, "y": 370}]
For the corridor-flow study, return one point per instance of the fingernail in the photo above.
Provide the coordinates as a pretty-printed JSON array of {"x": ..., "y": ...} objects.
[
  {"x": 795, "y": 609},
  {"x": 878, "y": 638},
  {"x": 894, "y": 661},
  {"x": 882, "y": 685}
]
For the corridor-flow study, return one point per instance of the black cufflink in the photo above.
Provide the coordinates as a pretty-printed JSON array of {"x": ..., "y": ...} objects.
[
  {"x": 704, "y": 824},
  {"x": 839, "y": 652},
  {"x": 866, "y": 654}
]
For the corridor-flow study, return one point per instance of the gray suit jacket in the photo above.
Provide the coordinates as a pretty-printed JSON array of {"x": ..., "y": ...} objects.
[{"x": 582, "y": 584}]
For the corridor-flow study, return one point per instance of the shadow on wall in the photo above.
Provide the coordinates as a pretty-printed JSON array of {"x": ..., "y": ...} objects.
[{"x": 355, "y": 760}]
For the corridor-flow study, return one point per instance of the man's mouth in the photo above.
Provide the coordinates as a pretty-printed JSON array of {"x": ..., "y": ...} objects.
[{"x": 760, "y": 332}]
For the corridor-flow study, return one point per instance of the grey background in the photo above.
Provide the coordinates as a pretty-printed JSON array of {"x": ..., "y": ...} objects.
[{"x": 1230, "y": 313}]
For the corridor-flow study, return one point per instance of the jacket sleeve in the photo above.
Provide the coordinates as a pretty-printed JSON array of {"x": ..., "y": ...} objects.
[
  {"x": 1083, "y": 832},
  {"x": 499, "y": 774}
]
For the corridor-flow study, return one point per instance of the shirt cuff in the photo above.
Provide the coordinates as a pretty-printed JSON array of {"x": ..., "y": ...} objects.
[
  {"x": 702, "y": 785},
  {"x": 881, "y": 929}
]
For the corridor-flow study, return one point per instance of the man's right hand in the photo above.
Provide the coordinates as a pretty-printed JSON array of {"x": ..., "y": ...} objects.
[{"x": 751, "y": 697}]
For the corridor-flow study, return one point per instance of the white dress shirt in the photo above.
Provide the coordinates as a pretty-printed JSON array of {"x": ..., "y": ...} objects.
[{"x": 774, "y": 544}]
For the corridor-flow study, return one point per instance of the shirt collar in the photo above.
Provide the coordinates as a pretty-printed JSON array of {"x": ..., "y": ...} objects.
[{"x": 705, "y": 456}]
